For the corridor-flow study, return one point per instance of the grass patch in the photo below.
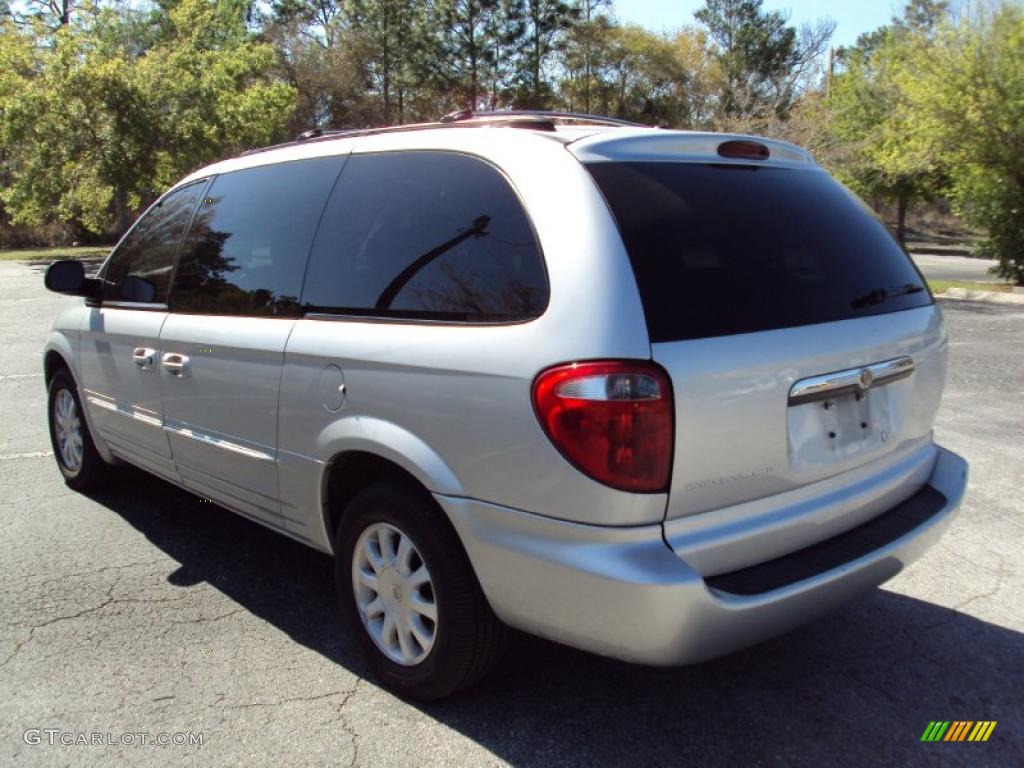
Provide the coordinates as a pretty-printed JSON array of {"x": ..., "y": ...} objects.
[
  {"x": 941, "y": 286},
  {"x": 53, "y": 254}
]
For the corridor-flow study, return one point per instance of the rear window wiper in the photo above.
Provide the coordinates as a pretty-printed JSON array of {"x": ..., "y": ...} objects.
[{"x": 878, "y": 295}]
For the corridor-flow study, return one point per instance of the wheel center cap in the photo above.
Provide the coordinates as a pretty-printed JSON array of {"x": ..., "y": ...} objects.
[{"x": 391, "y": 589}]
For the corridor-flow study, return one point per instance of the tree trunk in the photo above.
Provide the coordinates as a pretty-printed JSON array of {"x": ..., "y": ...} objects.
[
  {"x": 536, "y": 64},
  {"x": 901, "y": 219},
  {"x": 386, "y": 59},
  {"x": 587, "y": 54},
  {"x": 494, "y": 79},
  {"x": 122, "y": 214},
  {"x": 586, "y": 88},
  {"x": 473, "y": 84},
  {"x": 474, "y": 55}
]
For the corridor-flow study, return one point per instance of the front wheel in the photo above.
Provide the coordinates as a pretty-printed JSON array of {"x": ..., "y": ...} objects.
[
  {"x": 410, "y": 595},
  {"x": 77, "y": 458}
]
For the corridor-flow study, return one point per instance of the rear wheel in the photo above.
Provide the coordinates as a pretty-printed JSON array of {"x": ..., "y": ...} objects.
[
  {"x": 410, "y": 595},
  {"x": 77, "y": 458}
]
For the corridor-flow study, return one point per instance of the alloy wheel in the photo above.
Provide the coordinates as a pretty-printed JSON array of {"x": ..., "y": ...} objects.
[
  {"x": 394, "y": 594},
  {"x": 68, "y": 430}
]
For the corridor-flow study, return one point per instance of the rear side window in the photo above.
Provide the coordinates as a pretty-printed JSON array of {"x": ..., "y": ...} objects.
[
  {"x": 429, "y": 235},
  {"x": 246, "y": 251},
  {"x": 140, "y": 269},
  {"x": 726, "y": 249}
]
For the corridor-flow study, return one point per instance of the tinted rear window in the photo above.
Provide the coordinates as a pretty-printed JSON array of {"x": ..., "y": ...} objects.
[
  {"x": 426, "y": 235},
  {"x": 725, "y": 249}
]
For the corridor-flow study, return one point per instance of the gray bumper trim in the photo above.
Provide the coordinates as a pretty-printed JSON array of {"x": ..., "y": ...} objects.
[{"x": 622, "y": 592}]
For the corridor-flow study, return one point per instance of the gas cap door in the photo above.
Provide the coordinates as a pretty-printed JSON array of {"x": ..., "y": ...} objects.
[{"x": 332, "y": 388}]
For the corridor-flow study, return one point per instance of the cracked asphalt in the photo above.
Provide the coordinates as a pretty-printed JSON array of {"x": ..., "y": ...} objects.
[{"x": 145, "y": 610}]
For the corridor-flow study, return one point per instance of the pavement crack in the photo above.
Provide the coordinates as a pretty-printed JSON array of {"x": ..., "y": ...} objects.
[
  {"x": 208, "y": 619},
  {"x": 347, "y": 726},
  {"x": 281, "y": 702},
  {"x": 108, "y": 599},
  {"x": 18, "y": 645},
  {"x": 94, "y": 571},
  {"x": 890, "y": 697},
  {"x": 1001, "y": 574}
]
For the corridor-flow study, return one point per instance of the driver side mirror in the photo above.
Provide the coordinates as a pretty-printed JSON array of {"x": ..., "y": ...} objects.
[{"x": 68, "y": 277}]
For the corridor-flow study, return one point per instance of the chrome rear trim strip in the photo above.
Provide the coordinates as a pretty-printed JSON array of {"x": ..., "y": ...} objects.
[{"x": 852, "y": 380}]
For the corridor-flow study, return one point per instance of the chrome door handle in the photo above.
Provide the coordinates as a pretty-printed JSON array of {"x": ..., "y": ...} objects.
[
  {"x": 175, "y": 364},
  {"x": 144, "y": 358}
]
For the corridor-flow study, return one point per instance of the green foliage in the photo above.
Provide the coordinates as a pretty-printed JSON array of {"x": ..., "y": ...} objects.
[
  {"x": 474, "y": 40},
  {"x": 105, "y": 103},
  {"x": 756, "y": 49},
  {"x": 547, "y": 21},
  {"x": 880, "y": 153},
  {"x": 930, "y": 105},
  {"x": 394, "y": 37},
  {"x": 642, "y": 76},
  {"x": 93, "y": 129},
  {"x": 208, "y": 81},
  {"x": 921, "y": 16},
  {"x": 967, "y": 100}
]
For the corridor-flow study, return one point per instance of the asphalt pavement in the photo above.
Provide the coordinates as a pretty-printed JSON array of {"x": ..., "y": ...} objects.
[
  {"x": 143, "y": 610},
  {"x": 943, "y": 267}
]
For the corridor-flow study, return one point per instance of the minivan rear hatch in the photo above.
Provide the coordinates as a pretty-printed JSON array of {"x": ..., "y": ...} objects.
[{"x": 801, "y": 341}]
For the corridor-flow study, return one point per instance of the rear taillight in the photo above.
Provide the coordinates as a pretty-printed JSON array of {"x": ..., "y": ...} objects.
[{"x": 612, "y": 420}]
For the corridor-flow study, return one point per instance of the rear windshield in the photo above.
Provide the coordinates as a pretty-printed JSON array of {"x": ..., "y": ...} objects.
[{"x": 723, "y": 249}]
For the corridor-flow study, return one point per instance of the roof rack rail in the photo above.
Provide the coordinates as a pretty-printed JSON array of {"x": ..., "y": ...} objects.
[
  {"x": 466, "y": 115},
  {"x": 325, "y": 134},
  {"x": 537, "y": 120}
]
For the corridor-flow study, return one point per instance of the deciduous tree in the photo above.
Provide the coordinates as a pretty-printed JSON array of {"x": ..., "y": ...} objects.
[
  {"x": 93, "y": 129},
  {"x": 966, "y": 100}
]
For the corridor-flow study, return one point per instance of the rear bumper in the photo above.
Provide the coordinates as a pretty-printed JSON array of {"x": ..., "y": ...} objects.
[{"x": 622, "y": 592}]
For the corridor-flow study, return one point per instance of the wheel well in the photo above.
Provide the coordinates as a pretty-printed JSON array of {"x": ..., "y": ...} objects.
[
  {"x": 349, "y": 473},
  {"x": 52, "y": 363}
]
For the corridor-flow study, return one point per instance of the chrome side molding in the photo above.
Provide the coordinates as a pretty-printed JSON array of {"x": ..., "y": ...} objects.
[
  {"x": 133, "y": 412},
  {"x": 202, "y": 437},
  {"x": 852, "y": 380}
]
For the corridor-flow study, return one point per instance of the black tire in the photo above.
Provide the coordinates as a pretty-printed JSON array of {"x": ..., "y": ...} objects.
[
  {"x": 93, "y": 471},
  {"x": 469, "y": 638}
]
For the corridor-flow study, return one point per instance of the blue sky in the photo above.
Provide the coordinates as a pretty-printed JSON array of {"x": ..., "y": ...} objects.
[{"x": 852, "y": 16}]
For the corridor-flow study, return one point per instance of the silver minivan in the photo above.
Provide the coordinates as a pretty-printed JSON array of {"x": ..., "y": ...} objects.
[{"x": 653, "y": 394}]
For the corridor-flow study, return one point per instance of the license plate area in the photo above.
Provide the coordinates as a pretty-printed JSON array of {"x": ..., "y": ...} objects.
[{"x": 837, "y": 429}]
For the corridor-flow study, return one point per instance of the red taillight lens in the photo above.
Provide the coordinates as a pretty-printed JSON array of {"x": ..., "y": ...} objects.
[{"x": 612, "y": 420}]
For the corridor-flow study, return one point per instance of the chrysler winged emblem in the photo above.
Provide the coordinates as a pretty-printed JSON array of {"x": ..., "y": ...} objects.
[{"x": 865, "y": 379}]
